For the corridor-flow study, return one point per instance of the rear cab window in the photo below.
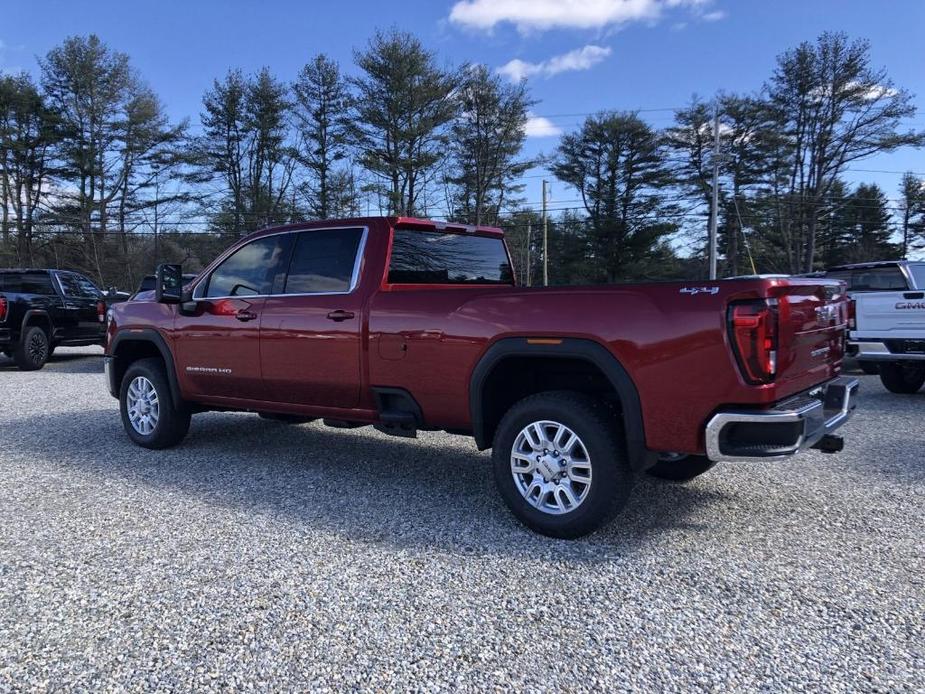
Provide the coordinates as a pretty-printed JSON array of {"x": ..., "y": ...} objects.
[
  {"x": 27, "y": 283},
  {"x": 426, "y": 257},
  {"x": 888, "y": 278}
]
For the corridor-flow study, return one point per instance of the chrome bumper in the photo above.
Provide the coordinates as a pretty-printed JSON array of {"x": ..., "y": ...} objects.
[
  {"x": 788, "y": 428},
  {"x": 878, "y": 351}
]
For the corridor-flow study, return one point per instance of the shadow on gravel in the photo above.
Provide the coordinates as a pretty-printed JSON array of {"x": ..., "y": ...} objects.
[
  {"x": 436, "y": 492},
  {"x": 63, "y": 363}
]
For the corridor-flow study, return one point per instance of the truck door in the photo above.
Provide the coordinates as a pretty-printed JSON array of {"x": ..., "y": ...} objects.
[
  {"x": 217, "y": 346},
  {"x": 310, "y": 332},
  {"x": 82, "y": 317}
]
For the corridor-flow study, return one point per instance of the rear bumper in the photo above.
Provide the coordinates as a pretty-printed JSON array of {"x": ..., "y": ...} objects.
[
  {"x": 880, "y": 351},
  {"x": 788, "y": 428}
]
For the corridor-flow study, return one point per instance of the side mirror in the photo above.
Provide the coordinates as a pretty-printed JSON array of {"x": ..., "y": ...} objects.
[{"x": 168, "y": 285}]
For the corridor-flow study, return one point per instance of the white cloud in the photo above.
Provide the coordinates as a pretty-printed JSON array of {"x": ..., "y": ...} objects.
[
  {"x": 537, "y": 126},
  {"x": 714, "y": 16},
  {"x": 540, "y": 15},
  {"x": 579, "y": 59}
]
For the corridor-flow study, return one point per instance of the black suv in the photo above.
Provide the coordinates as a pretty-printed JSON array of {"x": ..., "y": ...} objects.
[{"x": 41, "y": 309}]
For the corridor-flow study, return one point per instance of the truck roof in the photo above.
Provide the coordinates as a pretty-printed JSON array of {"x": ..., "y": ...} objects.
[
  {"x": 873, "y": 263},
  {"x": 402, "y": 222}
]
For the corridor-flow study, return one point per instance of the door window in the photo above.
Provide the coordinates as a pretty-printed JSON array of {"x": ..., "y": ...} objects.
[
  {"x": 74, "y": 288},
  {"x": 252, "y": 270},
  {"x": 918, "y": 275},
  {"x": 323, "y": 262}
]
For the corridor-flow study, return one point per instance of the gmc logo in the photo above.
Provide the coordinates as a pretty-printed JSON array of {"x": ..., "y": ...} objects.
[{"x": 911, "y": 305}]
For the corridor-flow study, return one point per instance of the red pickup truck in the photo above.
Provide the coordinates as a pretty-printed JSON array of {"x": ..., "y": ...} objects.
[{"x": 409, "y": 325}]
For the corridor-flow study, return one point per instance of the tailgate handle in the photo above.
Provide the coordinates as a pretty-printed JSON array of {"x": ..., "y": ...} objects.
[{"x": 914, "y": 295}]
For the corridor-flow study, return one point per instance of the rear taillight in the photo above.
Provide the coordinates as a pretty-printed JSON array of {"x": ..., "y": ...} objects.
[
  {"x": 852, "y": 314},
  {"x": 101, "y": 311},
  {"x": 3, "y": 308},
  {"x": 753, "y": 331}
]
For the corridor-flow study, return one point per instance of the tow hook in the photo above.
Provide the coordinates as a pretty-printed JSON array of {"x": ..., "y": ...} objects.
[{"x": 830, "y": 444}]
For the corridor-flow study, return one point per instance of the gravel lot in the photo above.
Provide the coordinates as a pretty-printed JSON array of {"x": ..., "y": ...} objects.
[{"x": 258, "y": 555}]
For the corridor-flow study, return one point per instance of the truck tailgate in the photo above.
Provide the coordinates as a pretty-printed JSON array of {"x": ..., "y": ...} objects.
[
  {"x": 813, "y": 318},
  {"x": 890, "y": 315}
]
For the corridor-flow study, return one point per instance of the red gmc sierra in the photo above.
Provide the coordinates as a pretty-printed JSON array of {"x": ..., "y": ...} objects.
[{"x": 409, "y": 325}]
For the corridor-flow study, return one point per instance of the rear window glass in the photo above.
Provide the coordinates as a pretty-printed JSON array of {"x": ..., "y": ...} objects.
[
  {"x": 27, "y": 283},
  {"x": 323, "y": 261},
  {"x": 873, "y": 279},
  {"x": 424, "y": 257}
]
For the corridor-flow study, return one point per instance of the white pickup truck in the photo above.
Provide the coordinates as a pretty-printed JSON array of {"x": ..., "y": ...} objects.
[{"x": 887, "y": 320}]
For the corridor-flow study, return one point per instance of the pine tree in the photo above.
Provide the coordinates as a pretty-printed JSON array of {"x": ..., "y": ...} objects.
[
  {"x": 618, "y": 164},
  {"x": 488, "y": 135},
  {"x": 832, "y": 108},
  {"x": 321, "y": 102},
  {"x": 404, "y": 104},
  {"x": 912, "y": 213}
]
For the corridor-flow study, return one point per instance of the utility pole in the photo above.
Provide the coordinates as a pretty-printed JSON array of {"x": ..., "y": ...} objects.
[
  {"x": 545, "y": 241},
  {"x": 714, "y": 205},
  {"x": 157, "y": 200},
  {"x": 529, "y": 240}
]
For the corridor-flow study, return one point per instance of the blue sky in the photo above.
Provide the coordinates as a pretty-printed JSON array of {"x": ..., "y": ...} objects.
[{"x": 580, "y": 55}]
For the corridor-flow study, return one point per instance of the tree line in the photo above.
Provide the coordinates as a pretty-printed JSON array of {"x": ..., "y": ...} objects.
[{"x": 92, "y": 164}]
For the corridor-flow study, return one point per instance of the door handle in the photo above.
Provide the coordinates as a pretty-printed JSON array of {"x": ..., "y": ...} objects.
[
  {"x": 339, "y": 316},
  {"x": 244, "y": 315}
]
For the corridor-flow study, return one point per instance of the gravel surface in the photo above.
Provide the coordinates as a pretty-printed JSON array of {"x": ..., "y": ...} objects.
[{"x": 260, "y": 555}]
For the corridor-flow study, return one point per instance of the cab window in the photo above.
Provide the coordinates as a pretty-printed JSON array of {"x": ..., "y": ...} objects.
[
  {"x": 323, "y": 261},
  {"x": 78, "y": 286},
  {"x": 424, "y": 257},
  {"x": 252, "y": 270}
]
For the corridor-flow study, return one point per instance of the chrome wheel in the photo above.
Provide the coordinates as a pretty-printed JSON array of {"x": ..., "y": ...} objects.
[
  {"x": 551, "y": 467},
  {"x": 143, "y": 406}
]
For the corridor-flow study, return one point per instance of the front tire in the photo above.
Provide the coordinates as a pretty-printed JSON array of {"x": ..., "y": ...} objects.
[
  {"x": 560, "y": 463},
  {"x": 149, "y": 415},
  {"x": 681, "y": 468},
  {"x": 904, "y": 379},
  {"x": 33, "y": 349}
]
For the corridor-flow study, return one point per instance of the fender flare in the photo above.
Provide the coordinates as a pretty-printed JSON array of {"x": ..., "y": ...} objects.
[
  {"x": 41, "y": 313},
  {"x": 569, "y": 348},
  {"x": 145, "y": 335}
]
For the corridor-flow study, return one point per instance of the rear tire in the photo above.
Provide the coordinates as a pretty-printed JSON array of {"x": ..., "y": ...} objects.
[
  {"x": 681, "y": 469},
  {"x": 149, "y": 414},
  {"x": 550, "y": 497},
  {"x": 904, "y": 379},
  {"x": 33, "y": 349}
]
